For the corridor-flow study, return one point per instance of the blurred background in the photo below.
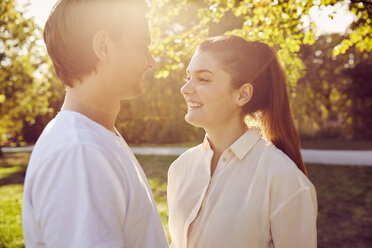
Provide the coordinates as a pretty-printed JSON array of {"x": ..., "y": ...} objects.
[{"x": 324, "y": 46}]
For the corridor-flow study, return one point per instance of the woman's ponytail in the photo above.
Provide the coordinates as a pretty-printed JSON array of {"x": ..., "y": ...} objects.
[{"x": 276, "y": 122}]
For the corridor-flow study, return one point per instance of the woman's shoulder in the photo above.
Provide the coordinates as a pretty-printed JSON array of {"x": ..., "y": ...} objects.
[
  {"x": 186, "y": 158},
  {"x": 279, "y": 167},
  {"x": 282, "y": 176}
]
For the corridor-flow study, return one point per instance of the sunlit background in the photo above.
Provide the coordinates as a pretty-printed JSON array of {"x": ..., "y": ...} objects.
[
  {"x": 327, "y": 34},
  {"x": 324, "y": 46},
  {"x": 342, "y": 17}
]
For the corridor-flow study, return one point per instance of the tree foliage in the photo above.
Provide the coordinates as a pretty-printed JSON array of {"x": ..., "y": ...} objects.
[
  {"x": 323, "y": 104},
  {"x": 24, "y": 73},
  {"x": 360, "y": 99},
  {"x": 179, "y": 26},
  {"x": 360, "y": 31}
]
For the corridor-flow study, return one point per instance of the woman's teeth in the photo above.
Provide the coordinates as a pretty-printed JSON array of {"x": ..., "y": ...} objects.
[{"x": 194, "y": 105}]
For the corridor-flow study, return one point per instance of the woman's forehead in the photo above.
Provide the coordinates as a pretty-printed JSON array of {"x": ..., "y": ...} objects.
[{"x": 202, "y": 62}]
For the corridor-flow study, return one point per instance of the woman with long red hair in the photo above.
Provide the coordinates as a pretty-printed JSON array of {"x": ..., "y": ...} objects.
[{"x": 246, "y": 185}]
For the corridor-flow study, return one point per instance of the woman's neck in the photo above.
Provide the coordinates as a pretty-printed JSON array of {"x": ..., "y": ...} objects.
[{"x": 222, "y": 138}]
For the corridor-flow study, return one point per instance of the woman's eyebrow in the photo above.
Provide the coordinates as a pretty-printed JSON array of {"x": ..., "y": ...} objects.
[{"x": 200, "y": 71}]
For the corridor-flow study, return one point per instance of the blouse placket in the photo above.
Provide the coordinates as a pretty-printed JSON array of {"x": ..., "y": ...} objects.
[{"x": 225, "y": 156}]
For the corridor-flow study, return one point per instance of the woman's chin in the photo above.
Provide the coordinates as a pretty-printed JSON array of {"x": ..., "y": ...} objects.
[{"x": 193, "y": 121}]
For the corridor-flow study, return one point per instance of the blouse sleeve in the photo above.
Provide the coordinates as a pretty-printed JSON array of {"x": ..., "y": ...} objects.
[
  {"x": 293, "y": 223},
  {"x": 175, "y": 178}
]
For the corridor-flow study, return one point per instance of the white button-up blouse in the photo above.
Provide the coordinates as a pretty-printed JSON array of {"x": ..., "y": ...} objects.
[{"x": 257, "y": 197}]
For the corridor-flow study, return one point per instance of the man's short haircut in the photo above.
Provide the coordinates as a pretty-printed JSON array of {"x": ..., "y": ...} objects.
[{"x": 72, "y": 24}]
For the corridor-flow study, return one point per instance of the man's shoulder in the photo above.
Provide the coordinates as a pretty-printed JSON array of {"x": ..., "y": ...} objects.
[
  {"x": 70, "y": 142},
  {"x": 66, "y": 131}
]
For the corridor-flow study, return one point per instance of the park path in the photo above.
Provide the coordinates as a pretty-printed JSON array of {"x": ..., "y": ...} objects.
[{"x": 336, "y": 157}]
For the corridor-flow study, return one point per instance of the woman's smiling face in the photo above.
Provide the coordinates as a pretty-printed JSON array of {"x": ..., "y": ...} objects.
[{"x": 210, "y": 97}]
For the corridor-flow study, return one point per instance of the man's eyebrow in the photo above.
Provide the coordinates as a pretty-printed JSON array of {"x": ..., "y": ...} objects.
[{"x": 200, "y": 71}]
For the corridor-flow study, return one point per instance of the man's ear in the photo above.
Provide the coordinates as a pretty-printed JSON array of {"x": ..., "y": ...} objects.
[
  {"x": 101, "y": 45},
  {"x": 244, "y": 94}
]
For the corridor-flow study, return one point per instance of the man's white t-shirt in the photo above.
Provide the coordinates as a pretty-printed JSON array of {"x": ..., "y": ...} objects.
[{"x": 85, "y": 188}]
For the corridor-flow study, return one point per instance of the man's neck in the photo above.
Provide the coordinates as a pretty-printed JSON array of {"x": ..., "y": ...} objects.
[{"x": 93, "y": 104}]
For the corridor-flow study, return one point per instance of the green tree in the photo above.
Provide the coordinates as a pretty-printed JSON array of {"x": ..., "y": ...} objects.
[
  {"x": 361, "y": 29},
  {"x": 320, "y": 99},
  {"x": 360, "y": 99},
  {"x": 333, "y": 94},
  {"x": 179, "y": 26},
  {"x": 25, "y": 75}
]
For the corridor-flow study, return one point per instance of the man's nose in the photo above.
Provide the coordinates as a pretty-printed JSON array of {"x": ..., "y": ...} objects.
[{"x": 151, "y": 63}]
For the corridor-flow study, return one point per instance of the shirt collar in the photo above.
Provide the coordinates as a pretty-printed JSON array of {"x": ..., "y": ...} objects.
[
  {"x": 245, "y": 143},
  {"x": 241, "y": 146}
]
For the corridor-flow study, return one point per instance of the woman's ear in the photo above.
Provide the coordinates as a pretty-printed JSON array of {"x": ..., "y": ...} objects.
[
  {"x": 245, "y": 94},
  {"x": 101, "y": 43}
]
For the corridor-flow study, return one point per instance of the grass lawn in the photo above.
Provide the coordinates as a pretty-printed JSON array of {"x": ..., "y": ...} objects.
[
  {"x": 12, "y": 168},
  {"x": 344, "y": 199}
]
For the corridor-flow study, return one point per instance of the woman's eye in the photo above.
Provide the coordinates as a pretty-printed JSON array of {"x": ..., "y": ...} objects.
[{"x": 203, "y": 80}]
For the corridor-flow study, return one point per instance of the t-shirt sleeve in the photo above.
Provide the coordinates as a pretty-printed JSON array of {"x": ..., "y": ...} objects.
[{"x": 79, "y": 199}]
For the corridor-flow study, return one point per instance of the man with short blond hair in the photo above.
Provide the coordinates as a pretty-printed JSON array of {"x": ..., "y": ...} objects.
[{"x": 83, "y": 186}]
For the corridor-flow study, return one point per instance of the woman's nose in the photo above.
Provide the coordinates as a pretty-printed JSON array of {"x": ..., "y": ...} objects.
[{"x": 187, "y": 88}]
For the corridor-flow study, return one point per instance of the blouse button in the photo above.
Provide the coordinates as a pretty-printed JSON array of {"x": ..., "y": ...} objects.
[{"x": 223, "y": 159}]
